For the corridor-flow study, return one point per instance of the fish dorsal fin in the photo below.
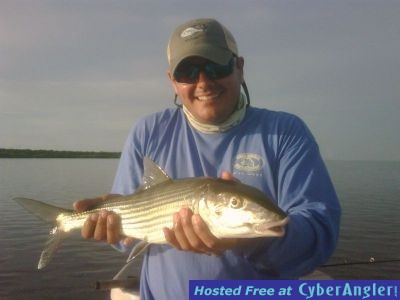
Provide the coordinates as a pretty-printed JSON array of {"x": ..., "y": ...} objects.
[{"x": 153, "y": 174}]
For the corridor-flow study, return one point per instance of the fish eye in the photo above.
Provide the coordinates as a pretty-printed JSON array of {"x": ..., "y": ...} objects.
[{"x": 235, "y": 202}]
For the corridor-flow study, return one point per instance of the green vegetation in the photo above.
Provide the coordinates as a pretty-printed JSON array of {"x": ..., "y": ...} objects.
[{"x": 29, "y": 153}]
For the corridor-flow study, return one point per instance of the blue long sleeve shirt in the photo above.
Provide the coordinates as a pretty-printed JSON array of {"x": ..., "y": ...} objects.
[{"x": 272, "y": 151}]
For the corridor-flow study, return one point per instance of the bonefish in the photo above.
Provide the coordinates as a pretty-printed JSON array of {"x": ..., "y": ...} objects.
[{"x": 229, "y": 208}]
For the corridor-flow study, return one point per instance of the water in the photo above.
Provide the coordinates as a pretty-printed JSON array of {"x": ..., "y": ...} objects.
[
  {"x": 369, "y": 193},
  {"x": 79, "y": 263}
]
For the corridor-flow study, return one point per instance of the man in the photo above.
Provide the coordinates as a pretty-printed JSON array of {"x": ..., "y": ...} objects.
[{"x": 215, "y": 132}]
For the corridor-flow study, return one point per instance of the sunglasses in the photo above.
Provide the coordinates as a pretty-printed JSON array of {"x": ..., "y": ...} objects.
[{"x": 188, "y": 72}]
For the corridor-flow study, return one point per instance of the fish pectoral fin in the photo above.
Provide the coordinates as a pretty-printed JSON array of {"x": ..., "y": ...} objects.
[
  {"x": 137, "y": 250},
  {"x": 56, "y": 237},
  {"x": 124, "y": 272}
]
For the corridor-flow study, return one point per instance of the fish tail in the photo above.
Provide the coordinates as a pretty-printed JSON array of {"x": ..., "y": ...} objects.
[
  {"x": 47, "y": 213},
  {"x": 54, "y": 241},
  {"x": 44, "y": 211}
]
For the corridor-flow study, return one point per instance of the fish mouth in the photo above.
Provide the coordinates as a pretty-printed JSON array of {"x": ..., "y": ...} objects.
[{"x": 276, "y": 229}]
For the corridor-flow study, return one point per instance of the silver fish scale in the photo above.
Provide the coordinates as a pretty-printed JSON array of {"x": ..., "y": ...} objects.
[
  {"x": 145, "y": 213},
  {"x": 146, "y": 217}
]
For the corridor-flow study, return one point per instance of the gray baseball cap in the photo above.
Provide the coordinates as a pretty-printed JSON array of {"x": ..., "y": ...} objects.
[{"x": 206, "y": 38}]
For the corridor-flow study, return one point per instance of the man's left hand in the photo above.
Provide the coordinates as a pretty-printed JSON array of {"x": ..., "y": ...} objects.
[{"x": 191, "y": 233}]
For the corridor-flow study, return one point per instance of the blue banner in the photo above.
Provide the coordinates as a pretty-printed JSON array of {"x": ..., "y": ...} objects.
[{"x": 294, "y": 289}]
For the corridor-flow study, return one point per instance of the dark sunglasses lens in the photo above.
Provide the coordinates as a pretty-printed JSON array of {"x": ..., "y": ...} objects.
[
  {"x": 189, "y": 73},
  {"x": 216, "y": 71}
]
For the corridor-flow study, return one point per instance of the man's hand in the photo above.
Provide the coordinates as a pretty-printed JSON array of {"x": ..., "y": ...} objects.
[
  {"x": 190, "y": 232},
  {"x": 103, "y": 226}
]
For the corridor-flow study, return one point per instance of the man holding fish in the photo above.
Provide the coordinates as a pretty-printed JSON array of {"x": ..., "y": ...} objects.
[{"x": 215, "y": 132}]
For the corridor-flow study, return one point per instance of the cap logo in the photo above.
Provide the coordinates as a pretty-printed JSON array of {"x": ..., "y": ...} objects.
[{"x": 193, "y": 31}]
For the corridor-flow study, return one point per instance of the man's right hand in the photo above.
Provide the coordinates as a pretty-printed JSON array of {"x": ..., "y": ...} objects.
[{"x": 103, "y": 226}]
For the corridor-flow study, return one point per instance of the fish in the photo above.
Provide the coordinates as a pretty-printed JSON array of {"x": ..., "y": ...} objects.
[{"x": 230, "y": 209}]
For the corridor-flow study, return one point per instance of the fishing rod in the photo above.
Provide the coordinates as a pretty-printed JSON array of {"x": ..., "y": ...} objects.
[
  {"x": 371, "y": 261},
  {"x": 133, "y": 282}
]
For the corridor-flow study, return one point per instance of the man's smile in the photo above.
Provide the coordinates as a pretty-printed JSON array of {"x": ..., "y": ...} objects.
[{"x": 208, "y": 97}]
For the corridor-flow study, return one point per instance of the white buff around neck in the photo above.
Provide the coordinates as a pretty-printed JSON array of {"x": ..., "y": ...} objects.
[{"x": 234, "y": 119}]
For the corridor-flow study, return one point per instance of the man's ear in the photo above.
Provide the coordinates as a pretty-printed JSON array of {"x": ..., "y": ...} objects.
[
  {"x": 173, "y": 82},
  {"x": 240, "y": 66},
  {"x": 240, "y": 62}
]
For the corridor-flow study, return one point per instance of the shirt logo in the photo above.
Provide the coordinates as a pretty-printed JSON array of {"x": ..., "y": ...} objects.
[{"x": 248, "y": 163}]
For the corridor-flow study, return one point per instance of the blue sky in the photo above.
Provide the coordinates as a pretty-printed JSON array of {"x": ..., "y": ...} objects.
[{"x": 75, "y": 75}]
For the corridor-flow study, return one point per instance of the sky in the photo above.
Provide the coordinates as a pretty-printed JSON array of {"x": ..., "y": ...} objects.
[{"x": 76, "y": 75}]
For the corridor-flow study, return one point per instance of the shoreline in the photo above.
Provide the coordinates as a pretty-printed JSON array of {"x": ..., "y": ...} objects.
[{"x": 30, "y": 153}]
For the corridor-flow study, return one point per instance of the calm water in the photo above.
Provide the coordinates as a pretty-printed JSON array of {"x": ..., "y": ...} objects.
[{"x": 369, "y": 193}]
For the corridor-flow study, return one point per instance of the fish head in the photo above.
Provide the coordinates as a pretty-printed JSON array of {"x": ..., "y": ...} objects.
[{"x": 233, "y": 209}]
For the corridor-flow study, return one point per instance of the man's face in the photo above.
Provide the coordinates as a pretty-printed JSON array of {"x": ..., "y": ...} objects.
[{"x": 210, "y": 101}]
